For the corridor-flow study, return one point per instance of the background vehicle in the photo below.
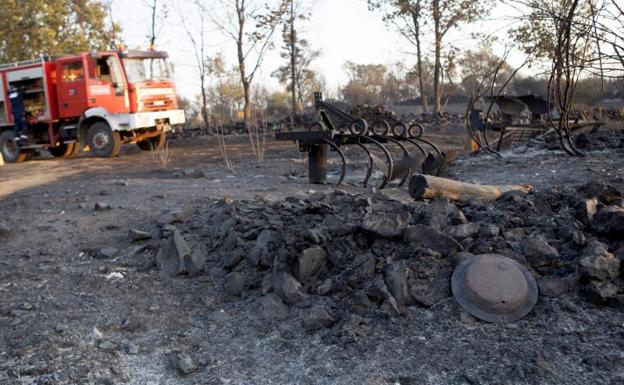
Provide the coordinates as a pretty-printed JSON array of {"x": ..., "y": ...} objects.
[{"x": 96, "y": 100}]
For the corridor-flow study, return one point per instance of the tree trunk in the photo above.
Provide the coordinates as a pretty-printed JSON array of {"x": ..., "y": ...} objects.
[
  {"x": 247, "y": 113},
  {"x": 153, "y": 34},
  {"x": 293, "y": 59},
  {"x": 437, "y": 89},
  {"x": 204, "y": 109},
  {"x": 245, "y": 80},
  {"x": 419, "y": 66},
  {"x": 202, "y": 83},
  {"x": 220, "y": 128}
]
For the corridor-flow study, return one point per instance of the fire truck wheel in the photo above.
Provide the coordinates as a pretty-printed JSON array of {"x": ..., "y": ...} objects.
[
  {"x": 103, "y": 141},
  {"x": 65, "y": 150},
  {"x": 10, "y": 151},
  {"x": 153, "y": 144}
]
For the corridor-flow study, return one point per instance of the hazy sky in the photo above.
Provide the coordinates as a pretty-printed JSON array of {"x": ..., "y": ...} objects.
[{"x": 344, "y": 30}]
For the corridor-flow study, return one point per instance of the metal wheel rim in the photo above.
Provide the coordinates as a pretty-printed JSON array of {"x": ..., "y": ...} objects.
[
  {"x": 380, "y": 129},
  {"x": 100, "y": 140},
  {"x": 359, "y": 130},
  {"x": 9, "y": 147},
  {"x": 399, "y": 129},
  {"x": 412, "y": 128}
]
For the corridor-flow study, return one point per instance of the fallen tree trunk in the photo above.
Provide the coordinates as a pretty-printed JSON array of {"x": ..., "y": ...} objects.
[{"x": 430, "y": 187}]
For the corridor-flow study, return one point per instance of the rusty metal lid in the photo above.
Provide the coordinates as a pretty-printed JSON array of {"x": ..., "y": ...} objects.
[{"x": 494, "y": 288}]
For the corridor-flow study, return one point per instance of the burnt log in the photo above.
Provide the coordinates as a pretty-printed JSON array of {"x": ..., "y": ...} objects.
[{"x": 431, "y": 187}]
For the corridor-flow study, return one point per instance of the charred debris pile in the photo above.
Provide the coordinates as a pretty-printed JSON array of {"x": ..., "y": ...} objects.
[{"x": 339, "y": 252}]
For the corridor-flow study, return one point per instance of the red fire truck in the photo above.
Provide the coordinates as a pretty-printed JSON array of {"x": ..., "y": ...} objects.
[{"x": 94, "y": 100}]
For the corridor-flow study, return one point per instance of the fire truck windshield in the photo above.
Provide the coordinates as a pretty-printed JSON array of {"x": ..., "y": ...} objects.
[{"x": 145, "y": 69}]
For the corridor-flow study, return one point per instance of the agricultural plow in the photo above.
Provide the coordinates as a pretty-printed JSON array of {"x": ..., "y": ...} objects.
[{"x": 380, "y": 140}]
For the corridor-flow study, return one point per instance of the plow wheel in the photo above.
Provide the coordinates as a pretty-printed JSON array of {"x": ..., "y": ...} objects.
[
  {"x": 381, "y": 128},
  {"x": 416, "y": 130},
  {"x": 359, "y": 127},
  {"x": 399, "y": 129}
]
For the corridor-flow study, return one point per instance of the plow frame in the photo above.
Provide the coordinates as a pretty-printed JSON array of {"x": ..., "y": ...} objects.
[{"x": 356, "y": 132}]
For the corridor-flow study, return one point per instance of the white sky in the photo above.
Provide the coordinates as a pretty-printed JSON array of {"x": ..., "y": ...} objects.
[{"x": 344, "y": 30}]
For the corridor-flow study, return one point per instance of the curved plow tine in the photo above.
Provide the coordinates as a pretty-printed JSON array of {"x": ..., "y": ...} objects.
[
  {"x": 405, "y": 167},
  {"x": 435, "y": 148},
  {"x": 369, "y": 171},
  {"x": 429, "y": 164},
  {"x": 448, "y": 158},
  {"x": 343, "y": 170},
  {"x": 415, "y": 143},
  {"x": 434, "y": 164},
  {"x": 386, "y": 168},
  {"x": 402, "y": 167}
]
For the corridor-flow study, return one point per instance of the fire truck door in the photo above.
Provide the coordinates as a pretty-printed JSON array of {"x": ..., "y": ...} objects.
[
  {"x": 107, "y": 87},
  {"x": 71, "y": 87}
]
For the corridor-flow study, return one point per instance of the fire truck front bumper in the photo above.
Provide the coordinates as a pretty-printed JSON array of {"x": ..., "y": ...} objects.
[{"x": 151, "y": 119}]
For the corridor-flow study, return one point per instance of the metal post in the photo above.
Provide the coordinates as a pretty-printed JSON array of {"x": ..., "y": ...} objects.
[{"x": 317, "y": 163}]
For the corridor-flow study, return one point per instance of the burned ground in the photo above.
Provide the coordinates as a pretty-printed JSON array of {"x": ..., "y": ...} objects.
[{"x": 275, "y": 281}]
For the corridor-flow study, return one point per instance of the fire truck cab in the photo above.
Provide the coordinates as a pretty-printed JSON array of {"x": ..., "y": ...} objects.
[{"x": 97, "y": 100}]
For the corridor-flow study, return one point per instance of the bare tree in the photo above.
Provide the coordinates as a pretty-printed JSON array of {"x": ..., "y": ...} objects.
[
  {"x": 607, "y": 23},
  {"x": 614, "y": 15},
  {"x": 197, "y": 34},
  {"x": 296, "y": 73},
  {"x": 292, "y": 40},
  {"x": 563, "y": 33},
  {"x": 217, "y": 70},
  {"x": 408, "y": 16},
  {"x": 446, "y": 15},
  {"x": 370, "y": 84},
  {"x": 478, "y": 64},
  {"x": 233, "y": 19},
  {"x": 159, "y": 12},
  {"x": 568, "y": 63},
  {"x": 492, "y": 84},
  {"x": 225, "y": 94},
  {"x": 113, "y": 36}
]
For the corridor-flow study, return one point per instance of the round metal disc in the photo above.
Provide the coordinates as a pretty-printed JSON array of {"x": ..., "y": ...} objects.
[{"x": 494, "y": 288}]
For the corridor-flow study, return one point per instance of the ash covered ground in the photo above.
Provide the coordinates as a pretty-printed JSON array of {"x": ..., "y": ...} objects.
[{"x": 114, "y": 272}]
